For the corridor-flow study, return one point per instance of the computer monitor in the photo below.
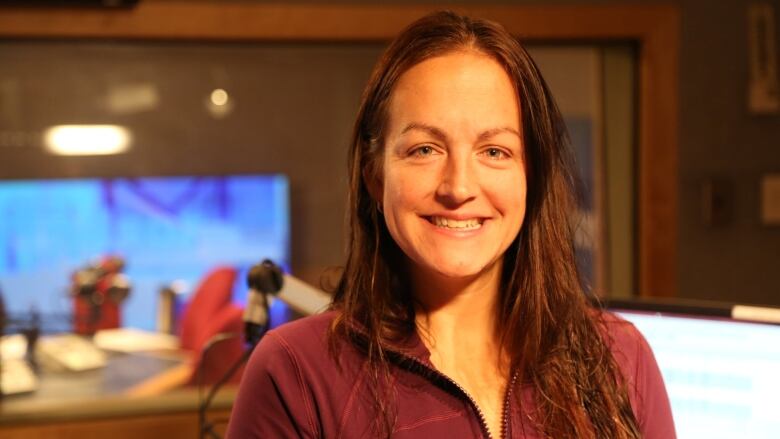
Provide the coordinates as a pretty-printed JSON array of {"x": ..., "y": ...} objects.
[
  {"x": 722, "y": 374},
  {"x": 166, "y": 228}
]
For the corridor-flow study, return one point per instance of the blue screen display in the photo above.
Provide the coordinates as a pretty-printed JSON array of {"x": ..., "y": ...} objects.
[
  {"x": 721, "y": 374},
  {"x": 167, "y": 229}
]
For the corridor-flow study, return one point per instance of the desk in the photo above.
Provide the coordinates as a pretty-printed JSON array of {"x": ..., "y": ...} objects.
[{"x": 114, "y": 402}]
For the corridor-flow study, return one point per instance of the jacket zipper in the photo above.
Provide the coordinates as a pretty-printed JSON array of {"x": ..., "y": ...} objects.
[
  {"x": 505, "y": 413},
  {"x": 482, "y": 421},
  {"x": 480, "y": 415}
]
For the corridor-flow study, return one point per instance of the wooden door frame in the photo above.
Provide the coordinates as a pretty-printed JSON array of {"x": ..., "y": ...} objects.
[{"x": 654, "y": 28}]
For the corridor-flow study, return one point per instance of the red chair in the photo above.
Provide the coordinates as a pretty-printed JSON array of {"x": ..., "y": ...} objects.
[
  {"x": 211, "y": 312},
  {"x": 214, "y": 363},
  {"x": 213, "y": 294}
]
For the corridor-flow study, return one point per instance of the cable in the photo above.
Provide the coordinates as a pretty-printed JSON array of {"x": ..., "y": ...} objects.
[
  {"x": 213, "y": 341},
  {"x": 206, "y": 427}
]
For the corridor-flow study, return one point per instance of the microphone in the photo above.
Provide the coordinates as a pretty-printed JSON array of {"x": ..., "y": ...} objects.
[
  {"x": 98, "y": 289},
  {"x": 302, "y": 297},
  {"x": 100, "y": 280},
  {"x": 267, "y": 278},
  {"x": 263, "y": 278}
]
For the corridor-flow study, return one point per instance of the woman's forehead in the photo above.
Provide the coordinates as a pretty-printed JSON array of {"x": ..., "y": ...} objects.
[{"x": 464, "y": 87}]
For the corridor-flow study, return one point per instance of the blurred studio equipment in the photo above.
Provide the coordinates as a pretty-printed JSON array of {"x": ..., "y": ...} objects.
[
  {"x": 98, "y": 290},
  {"x": 170, "y": 303},
  {"x": 17, "y": 366}
]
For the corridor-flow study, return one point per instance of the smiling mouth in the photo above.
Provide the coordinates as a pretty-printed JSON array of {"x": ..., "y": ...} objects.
[{"x": 453, "y": 224}]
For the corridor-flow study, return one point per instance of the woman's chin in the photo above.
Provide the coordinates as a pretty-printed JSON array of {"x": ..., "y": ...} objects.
[
  {"x": 466, "y": 271},
  {"x": 455, "y": 273}
]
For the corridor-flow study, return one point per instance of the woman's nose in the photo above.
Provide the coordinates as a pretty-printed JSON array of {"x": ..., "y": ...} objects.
[{"x": 458, "y": 182}]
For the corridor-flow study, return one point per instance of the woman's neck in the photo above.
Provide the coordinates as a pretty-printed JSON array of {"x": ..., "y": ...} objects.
[{"x": 457, "y": 317}]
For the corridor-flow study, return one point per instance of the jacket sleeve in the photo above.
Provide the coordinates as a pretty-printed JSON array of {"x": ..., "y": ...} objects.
[
  {"x": 272, "y": 401},
  {"x": 653, "y": 410}
]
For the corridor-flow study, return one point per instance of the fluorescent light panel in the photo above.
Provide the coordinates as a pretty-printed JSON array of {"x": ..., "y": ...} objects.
[{"x": 87, "y": 139}]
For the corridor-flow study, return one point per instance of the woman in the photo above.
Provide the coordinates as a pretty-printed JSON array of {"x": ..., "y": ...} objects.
[{"x": 459, "y": 313}]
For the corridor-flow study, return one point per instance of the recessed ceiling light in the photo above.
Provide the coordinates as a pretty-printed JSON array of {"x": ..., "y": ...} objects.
[{"x": 219, "y": 97}]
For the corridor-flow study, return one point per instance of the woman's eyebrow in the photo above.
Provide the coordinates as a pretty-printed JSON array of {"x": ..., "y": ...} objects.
[
  {"x": 441, "y": 135},
  {"x": 430, "y": 129},
  {"x": 487, "y": 134}
]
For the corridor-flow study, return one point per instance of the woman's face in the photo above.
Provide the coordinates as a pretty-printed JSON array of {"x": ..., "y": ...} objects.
[{"x": 453, "y": 187}]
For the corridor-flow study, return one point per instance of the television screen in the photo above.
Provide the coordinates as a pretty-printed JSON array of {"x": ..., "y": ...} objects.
[
  {"x": 721, "y": 373},
  {"x": 167, "y": 229}
]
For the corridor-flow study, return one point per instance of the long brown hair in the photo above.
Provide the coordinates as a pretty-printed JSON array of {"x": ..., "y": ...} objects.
[{"x": 549, "y": 330}]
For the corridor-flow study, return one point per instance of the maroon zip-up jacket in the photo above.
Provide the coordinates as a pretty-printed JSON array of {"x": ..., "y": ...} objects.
[{"x": 293, "y": 388}]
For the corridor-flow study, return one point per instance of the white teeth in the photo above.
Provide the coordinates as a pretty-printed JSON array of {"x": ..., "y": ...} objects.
[{"x": 450, "y": 223}]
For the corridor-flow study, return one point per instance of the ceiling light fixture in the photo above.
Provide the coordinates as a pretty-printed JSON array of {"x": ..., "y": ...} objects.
[{"x": 87, "y": 139}]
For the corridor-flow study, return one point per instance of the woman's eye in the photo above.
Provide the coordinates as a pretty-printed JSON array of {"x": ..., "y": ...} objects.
[
  {"x": 495, "y": 153},
  {"x": 423, "y": 151}
]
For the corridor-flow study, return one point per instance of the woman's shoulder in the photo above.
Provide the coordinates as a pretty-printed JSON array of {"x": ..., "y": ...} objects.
[
  {"x": 293, "y": 385},
  {"x": 627, "y": 344},
  {"x": 306, "y": 330},
  {"x": 639, "y": 368},
  {"x": 621, "y": 334},
  {"x": 304, "y": 340}
]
